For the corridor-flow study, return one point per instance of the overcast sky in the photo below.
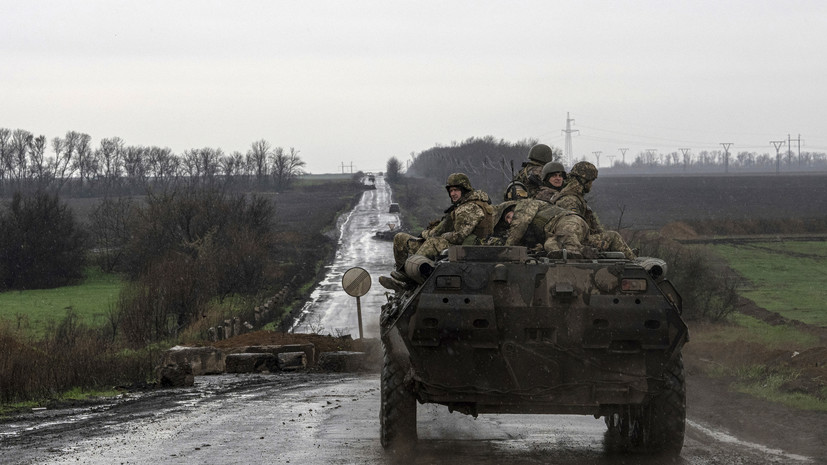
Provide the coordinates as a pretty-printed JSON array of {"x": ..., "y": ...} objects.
[{"x": 361, "y": 81}]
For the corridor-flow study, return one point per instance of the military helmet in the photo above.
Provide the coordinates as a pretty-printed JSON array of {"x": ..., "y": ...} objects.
[
  {"x": 540, "y": 153},
  {"x": 552, "y": 167},
  {"x": 584, "y": 170},
  {"x": 515, "y": 191},
  {"x": 501, "y": 209},
  {"x": 458, "y": 180}
]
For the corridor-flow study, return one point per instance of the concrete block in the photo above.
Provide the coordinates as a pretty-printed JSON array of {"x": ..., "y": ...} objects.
[
  {"x": 308, "y": 349},
  {"x": 292, "y": 361},
  {"x": 251, "y": 363},
  {"x": 342, "y": 361},
  {"x": 203, "y": 360}
]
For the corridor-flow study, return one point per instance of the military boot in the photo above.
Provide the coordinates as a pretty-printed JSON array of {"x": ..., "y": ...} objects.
[{"x": 392, "y": 284}]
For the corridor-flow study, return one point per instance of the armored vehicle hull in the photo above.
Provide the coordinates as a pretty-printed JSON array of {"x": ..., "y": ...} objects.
[{"x": 494, "y": 330}]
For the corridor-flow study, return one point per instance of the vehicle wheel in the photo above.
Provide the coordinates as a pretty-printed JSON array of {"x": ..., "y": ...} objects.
[
  {"x": 658, "y": 426},
  {"x": 397, "y": 412},
  {"x": 662, "y": 422}
]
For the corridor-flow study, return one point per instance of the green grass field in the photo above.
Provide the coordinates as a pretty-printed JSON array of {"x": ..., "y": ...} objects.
[
  {"x": 91, "y": 300},
  {"x": 784, "y": 277}
]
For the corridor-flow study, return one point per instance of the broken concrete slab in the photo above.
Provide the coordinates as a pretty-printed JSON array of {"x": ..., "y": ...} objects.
[
  {"x": 251, "y": 363},
  {"x": 203, "y": 360},
  {"x": 308, "y": 349},
  {"x": 176, "y": 375},
  {"x": 292, "y": 361},
  {"x": 343, "y": 361}
]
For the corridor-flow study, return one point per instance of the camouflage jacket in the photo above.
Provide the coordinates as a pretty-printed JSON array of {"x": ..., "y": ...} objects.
[
  {"x": 571, "y": 198},
  {"x": 545, "y": 193},
  {"x": 531, "y": 218},
  {"x": 529, "y": 175},
  {"x": 472, "y": 215},
  {"x": 500, "y": 232}
]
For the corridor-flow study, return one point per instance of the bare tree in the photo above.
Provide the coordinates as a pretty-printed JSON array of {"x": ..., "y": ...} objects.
[
  {"x": 257, "y": 158},
  {"x": 162, "y": 169},
  {"x": 63, "y": 165},
  {"x": 286, "y": 166},
  {"x": 85, "y": 163},
  {"x": 135, "y": 166}
]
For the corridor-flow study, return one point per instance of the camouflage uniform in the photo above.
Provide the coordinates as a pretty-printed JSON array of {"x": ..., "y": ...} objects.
[
  {"x": 610, "y": 240},
  {"x": 537, "y": 222},
  {"x": 530, "y": 175},
  {"x": 468, "y": 221},
  {"x": 547, "y": 190},
  {"x": 571, "y": 198},
  {"x": 500, "y": 232}
]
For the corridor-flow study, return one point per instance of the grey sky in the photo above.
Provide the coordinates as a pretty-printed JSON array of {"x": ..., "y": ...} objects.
[{"x": 362, "y": 81}]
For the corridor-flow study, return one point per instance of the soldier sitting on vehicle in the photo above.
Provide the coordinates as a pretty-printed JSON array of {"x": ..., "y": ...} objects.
[
  {"x": 503, "y": 214},
  {"x": 542, "y": 226},
  {"x": 553, "y": 178},
  {"x": 530, "y": 174},
  {"x": 571, "y": 198},
  {"x": 467, "y": 221}
]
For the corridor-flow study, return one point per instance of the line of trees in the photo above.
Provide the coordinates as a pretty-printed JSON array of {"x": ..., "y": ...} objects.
[
  {"x": 489, "y": 163},
  {"x": 720, "y": 161},
  {"x": 30, "y": 163}
]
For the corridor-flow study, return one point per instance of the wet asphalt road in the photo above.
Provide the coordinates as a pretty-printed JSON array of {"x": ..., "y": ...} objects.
[
  {"x": 330, "y": 310},
  {"x": 325, "y": 419},
  {"x": 314, "y": 418}
]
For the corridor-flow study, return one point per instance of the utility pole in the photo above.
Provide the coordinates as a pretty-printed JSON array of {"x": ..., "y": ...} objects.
[
  {"x": 569, "y": 152},
  {"x": 789, "y": 140},
  {"x": 623, "y": 153},
  {"x": 685, "y": 152},
  {"x": 777, "y": 144},
  {"x": 611, "y": 160},
  {"x": 597, "y": 156},
  {"x": 726, "y": 145}
]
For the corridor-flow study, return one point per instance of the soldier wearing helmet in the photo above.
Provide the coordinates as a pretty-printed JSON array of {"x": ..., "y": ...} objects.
[
  {"x": 515, "y": 191},
  {"x": 571, "y": 198},
  {"x": 503, "y": 216},
  {"x": 540, "y": 225},
  {"x": 467, "y": 221},
  {"x": 580, "y": 181},
  {"x": 553, "y": 176},
  {"x": 530, "y": 174}
]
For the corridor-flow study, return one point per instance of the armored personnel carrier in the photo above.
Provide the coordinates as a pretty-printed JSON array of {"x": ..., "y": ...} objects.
[{"x": 497, "y": 330}]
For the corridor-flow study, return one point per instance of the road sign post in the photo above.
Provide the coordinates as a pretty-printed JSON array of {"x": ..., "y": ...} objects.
[{"x": 356, "y": 282}]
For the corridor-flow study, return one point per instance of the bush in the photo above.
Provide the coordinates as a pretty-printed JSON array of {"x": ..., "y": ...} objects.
[
  {"x": 69, "y": 356},
  {"x": 41, "y": 246},
  {"x": 707, "y": 286},
  {"x": 187, "y": 249}
]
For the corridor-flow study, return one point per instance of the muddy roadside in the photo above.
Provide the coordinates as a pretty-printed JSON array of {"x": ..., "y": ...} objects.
[{"x": 715, "y": 400}]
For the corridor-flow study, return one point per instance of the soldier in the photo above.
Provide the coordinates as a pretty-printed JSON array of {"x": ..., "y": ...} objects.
[
  {"x": 504, "y": 215},
  {"x": 542, "y": 226},
  {"x": 538, "y": 156},
  {"x": 468, "y": 220},
  {"x": 553, "y": 176},
  {"x": 580, "y": 180}
]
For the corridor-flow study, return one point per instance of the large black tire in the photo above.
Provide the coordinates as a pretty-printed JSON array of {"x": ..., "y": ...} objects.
[
  {"x": 397, "y": 412},
  {"x": 658, "y": 426}
]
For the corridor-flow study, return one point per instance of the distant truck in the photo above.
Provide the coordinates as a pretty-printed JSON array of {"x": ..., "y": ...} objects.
[{"x": 497, "y": 330}]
